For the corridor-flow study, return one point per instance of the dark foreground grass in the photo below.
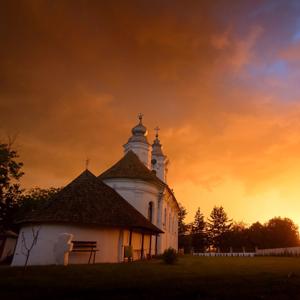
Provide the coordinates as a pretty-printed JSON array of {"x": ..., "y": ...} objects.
[{"x": 190, "y": 278}]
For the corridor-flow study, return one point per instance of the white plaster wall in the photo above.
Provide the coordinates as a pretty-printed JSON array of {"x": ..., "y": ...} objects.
[
  {"x": 110, "y": 242},
  {"x": 169, "y": 224},
  {"x": 42, "y": 254},
  {"x": 142, "y": 150},
  {"x": 160, "y": 167},
  {"x": 138, "y": 193}
]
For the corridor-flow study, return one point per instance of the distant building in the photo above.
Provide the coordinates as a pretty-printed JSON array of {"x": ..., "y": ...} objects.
[
  {"x": 7, "y": 244},
  {"x": 130, "y": 204}
]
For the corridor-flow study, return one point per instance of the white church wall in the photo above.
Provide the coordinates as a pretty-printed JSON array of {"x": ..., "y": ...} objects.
[
  {"x": 43, "y": 254},
  {"x": 142, "y": 150},
  {"x": 138, "y": 193},
  {"x": 169, "y": 223},
  {"x": 160, "y": 167}
]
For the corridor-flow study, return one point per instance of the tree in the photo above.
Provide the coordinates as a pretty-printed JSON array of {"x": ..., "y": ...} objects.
[
  {"x": 257, "y": 235},
  {"x": 10, "y": 191},
  {"x": 218, "y": 224},
  {"x": 198, "y": 225},
  {"x": 199, "y": 237},
  {"x": 181, "y": 216},
  {"x": 34, "y": 198},
  {"x": 236, "y": 238},
  {"x": 184, "y": 241},
  {"x": 281, "y": 232}
]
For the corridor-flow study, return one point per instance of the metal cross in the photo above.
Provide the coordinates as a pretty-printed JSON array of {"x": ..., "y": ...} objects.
[
  {"x": 156, "y": 129},
  {"x": 87, "y": 163}
]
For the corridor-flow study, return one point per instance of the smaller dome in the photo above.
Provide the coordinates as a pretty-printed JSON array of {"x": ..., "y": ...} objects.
[{"x": 156, "y": 146}]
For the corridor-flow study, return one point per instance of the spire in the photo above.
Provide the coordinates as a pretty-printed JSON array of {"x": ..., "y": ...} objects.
[
  {"x": 159, "y": 161},
  {"x": 156, "y": 146}
]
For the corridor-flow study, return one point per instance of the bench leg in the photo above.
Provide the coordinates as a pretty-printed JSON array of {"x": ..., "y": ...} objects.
[
  {"x": 91, "y": 253},
  {"x": 94, "y": 257}
]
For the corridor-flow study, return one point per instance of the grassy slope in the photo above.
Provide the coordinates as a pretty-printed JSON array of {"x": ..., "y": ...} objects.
[{"x": 191, "y": 278}]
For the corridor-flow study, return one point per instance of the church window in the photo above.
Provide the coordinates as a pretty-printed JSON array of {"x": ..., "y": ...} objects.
[{"x": 150, "y": 211}]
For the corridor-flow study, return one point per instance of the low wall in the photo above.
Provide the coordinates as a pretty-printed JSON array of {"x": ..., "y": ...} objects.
[
  {"x": 288, "y": 251},
  {"x": 207, "y": 254}
]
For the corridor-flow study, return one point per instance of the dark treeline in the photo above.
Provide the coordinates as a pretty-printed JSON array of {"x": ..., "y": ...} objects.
[
  {"x": 15, "y": 201},
  {"x": 219, "y": 233}
]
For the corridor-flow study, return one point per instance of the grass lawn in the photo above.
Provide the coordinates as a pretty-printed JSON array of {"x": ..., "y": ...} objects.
[{"x": 190, "y": 278}]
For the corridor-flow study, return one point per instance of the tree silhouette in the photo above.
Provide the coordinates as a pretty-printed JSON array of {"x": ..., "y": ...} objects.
[
  {"x": 218, "y": 224},
  {"x": 199, "y": 236},
  {"x": 181, "y": 216},
  {"x": 10, "y": 191}
]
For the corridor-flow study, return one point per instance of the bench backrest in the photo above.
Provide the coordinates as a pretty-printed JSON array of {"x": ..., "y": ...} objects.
[{"x": 84, "y": 244}]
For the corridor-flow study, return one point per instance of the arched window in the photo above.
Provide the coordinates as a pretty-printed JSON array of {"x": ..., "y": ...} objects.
[{"x": 150, "y": 211}]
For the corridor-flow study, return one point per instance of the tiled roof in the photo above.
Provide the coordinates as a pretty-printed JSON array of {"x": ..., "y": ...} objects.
[
  {"x": 87, "y": 200},
  {"x": 130, "y": 166}
]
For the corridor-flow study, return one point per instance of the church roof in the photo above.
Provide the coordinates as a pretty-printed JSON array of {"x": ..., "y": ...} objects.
[
  {"x": 130, "y": 166},
  {"x": 87, "y": 200}
]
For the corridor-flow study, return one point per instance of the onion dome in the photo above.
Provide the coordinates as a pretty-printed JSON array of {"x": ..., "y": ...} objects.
[
  {"x": 140, "y": 129},
  {"x": 139, "y": 132}
]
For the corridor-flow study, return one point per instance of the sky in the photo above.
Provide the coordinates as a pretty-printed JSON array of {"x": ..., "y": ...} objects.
[{"x": 220, "y": 78}]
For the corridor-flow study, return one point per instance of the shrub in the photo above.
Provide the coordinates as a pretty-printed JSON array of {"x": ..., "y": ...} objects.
[{"x": 169, "y": 256}]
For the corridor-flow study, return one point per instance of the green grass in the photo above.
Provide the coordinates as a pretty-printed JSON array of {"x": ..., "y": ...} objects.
[{"x": 190, "y": 278}]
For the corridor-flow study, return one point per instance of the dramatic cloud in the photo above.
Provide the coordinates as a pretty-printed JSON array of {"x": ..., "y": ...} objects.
[{"x": 220, "y": 79}]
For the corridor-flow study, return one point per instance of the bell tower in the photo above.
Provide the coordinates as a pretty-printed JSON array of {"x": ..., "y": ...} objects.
[
  {"x": 159, "y": 161},
  {"x": 138, "y": 143}
]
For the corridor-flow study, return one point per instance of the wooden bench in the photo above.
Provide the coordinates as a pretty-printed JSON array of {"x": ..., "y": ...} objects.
[{"x": 86, "y": 246}]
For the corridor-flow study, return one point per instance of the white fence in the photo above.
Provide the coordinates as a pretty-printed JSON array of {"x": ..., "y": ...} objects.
[
  {"x": 288, "y": 251},
  {"x": 243, "y": 254}
]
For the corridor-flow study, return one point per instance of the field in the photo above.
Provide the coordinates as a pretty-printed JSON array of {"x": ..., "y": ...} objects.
[{"x": 190, "y": 278}]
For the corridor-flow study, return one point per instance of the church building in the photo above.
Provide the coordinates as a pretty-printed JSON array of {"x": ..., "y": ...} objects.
[{"x": 128, "y": 205}]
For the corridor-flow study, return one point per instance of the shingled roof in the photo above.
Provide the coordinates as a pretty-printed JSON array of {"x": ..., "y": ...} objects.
[
  {"x": 130, "y": 166},
  {"x": 87, "y": 200}
]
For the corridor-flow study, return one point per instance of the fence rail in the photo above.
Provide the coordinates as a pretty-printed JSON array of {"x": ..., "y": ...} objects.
[
  {"x": 287, "y": 251},
  {"x": 248, "y": 254}
]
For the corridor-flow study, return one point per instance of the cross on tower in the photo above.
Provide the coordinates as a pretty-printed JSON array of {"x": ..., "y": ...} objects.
[{"x": 156, "y": 129}]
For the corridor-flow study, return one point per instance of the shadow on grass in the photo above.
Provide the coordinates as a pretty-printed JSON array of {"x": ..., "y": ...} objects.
[{"x": 190, "y": 278}]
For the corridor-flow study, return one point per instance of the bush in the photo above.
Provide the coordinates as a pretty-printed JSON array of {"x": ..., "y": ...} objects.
[{"x": 170, "y": 256}]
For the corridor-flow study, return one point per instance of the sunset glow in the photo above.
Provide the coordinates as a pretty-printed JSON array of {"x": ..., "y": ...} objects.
[{"x": 220, "y": 80}]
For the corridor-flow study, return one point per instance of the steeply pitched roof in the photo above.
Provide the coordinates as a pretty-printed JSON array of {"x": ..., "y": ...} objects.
[
  {"x": 130, "y": 166},
  {"x": 87, "y": 200}
]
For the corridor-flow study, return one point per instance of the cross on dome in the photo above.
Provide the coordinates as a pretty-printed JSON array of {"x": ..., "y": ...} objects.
[
  {"x": 140, "y": 116},
  {"x": 156, "y": 130}
]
